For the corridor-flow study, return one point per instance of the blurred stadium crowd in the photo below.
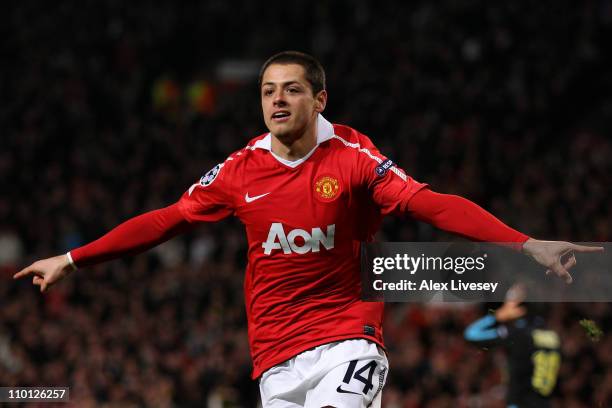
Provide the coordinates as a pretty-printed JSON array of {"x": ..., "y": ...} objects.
[{"x": 110, "y": 109}]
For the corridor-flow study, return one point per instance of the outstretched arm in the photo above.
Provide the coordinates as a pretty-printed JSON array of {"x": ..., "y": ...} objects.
[
  {"x": 463, "y": 217},
  {"x": 133, "y": 236}
]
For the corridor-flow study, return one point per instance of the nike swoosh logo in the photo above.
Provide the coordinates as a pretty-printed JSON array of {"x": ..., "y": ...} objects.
[
  {"x": 251, "y": 199},
  {"x": 340, "y": 390}
]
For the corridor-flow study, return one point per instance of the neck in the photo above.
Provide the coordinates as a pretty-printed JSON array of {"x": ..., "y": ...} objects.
[{"x": 294, "y": 148}]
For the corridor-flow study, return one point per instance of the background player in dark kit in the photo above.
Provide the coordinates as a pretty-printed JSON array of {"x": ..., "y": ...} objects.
[{"x": 533, "y": 350}]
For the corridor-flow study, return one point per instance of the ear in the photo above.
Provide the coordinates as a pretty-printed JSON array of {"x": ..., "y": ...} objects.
[{"x": 320, "y": 101}]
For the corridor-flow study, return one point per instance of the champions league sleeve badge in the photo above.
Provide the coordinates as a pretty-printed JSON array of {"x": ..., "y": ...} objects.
[
  {"x": 210, "y": 176},
  {"x": 207, "y": 179}
]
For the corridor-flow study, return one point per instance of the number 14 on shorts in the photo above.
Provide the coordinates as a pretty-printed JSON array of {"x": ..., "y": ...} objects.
[{"x": 363, "y": 375}]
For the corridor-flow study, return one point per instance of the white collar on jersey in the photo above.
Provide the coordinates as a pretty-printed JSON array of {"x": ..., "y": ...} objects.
[{"x": 325, "y": 131}]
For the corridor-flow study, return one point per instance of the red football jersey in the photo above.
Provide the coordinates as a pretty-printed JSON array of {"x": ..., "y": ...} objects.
[{"x": 304, "y": 222}]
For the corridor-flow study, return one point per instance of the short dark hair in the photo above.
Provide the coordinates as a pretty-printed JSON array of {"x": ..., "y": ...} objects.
[{"x": 314, "y": 72}]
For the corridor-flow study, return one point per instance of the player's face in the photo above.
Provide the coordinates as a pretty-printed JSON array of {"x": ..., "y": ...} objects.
[{"x": 289, "y": 107}]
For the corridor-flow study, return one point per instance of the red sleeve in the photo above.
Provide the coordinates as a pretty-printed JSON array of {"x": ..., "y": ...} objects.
[
  {"x": 207, "y": 200},
  {"x": 133, "y": 236},
  {"x": 210, "y": 199},
  {"x": 463, "y": 217},
  {"x": 390, "y": 187}
]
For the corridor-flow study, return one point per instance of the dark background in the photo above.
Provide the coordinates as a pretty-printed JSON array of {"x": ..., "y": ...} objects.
[{"x": 111, "y": 109}]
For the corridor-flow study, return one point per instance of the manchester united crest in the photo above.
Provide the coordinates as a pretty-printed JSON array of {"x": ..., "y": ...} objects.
[{"x": 327, "y": 188}]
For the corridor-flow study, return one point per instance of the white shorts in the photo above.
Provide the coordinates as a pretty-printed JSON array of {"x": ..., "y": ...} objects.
[{"x": 343, "y": 374}]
